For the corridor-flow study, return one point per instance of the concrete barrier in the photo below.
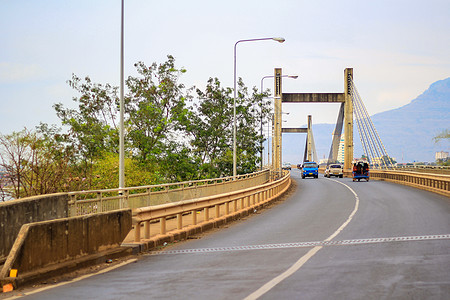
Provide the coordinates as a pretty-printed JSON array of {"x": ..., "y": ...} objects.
[
  {"x": 42, "y": 244},
  {"x": 15, "y": 213},
  {"x": 233, "y": 205},
  {"x": 95, "y": 201},
  {"x": 436, "y": 183}
]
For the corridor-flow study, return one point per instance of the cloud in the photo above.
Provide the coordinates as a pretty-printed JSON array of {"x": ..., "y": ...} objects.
[{"x": 13, "y": 72}]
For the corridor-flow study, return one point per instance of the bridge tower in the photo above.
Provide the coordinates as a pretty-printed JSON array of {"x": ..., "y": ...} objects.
[
  {"x": 348, "y": 119},
  {"x": 276, "y": 149},
  {"x": 344, "y": 98},
  {"x": 310, "y": 153}
]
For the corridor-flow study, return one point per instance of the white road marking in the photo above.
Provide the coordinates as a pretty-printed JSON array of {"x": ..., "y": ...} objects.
[
  {"x": 304, "y": 244},
  {"x": 298, "y": 264},
  {"x": 23, "y": 294}
]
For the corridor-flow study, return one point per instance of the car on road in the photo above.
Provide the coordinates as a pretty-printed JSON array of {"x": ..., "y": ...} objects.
[
  {"x": 361, "y": 171},
  {"x": 286, "y": 166},
  {"x": 310, "y": 169},
  {"x": 334, "y": 170}
]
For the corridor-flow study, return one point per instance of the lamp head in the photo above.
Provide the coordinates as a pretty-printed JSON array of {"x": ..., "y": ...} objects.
[
  {"x": 293, "y": 76},
  {"x": 278, "y": 39}
]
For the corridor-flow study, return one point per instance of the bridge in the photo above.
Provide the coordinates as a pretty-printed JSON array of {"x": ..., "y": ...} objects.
[{"x": 313, "y": 239}]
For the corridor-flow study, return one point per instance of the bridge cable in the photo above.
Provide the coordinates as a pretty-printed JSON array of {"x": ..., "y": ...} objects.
[
  {"x": 373, "y": 147},
  {"x": 366, "y": 135}
]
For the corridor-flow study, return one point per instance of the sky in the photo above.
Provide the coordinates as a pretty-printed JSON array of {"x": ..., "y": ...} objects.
[{"x": 396, "y": 49}]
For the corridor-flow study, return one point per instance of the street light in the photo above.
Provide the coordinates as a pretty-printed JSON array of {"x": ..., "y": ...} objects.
[
  {"x": 262, "y": 79},
  {"x": 277, "y": 39},
  {"x": 121, "y": 126}
]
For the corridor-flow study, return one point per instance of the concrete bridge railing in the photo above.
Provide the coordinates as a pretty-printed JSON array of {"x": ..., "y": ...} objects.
[
  {"x": 95, "y": 201},
  {"x": 45, "y": 248},
  {"x": 437, "y": 183},
  {"x": 197, "y": 212},
  {"x": 425, "y": 169}
]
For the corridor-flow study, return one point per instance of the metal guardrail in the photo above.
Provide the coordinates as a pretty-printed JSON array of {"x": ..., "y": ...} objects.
[
  {"x": 432, "y": 182},
  {"x": 231, "y": 202},
  {"x": 95, "y": 201}
]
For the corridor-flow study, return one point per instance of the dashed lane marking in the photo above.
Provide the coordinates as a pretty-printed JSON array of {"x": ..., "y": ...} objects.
[{"x": 306, "y": 244}]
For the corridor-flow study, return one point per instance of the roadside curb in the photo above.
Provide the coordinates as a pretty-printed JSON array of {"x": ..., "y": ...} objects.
[{"x": 65, "y": 267}]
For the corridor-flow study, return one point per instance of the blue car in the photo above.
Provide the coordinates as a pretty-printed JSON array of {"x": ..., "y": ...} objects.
[{"x": 310, "y": 169}]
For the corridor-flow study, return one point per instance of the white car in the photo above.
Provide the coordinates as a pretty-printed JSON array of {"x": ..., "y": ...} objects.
[
  {"x": 286, "y": 166},
  {"x": 334, "y": 170}
]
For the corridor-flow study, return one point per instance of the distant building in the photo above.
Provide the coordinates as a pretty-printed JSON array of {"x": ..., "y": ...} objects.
[
  {"x": 323, "y": 161},
  {"x": 441, "y": 155}
]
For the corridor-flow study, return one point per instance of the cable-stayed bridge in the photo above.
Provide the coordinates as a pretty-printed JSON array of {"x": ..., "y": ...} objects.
[
  {"x": 351, "y": 109},
  {"x": 389, "y": 237}
]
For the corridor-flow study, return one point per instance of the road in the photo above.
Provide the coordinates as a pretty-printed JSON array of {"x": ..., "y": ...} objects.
[{"x": 353, "y": 257}]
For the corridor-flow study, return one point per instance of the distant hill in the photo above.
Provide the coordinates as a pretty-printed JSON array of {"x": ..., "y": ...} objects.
[{"x": 407, "y": 132}]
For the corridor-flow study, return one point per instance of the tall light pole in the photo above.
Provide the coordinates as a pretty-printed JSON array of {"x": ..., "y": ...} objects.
[
  {"x": 278, "y": 39},
  {"x": 121, "y": 129},
  {"x": 261, "y": 120}
]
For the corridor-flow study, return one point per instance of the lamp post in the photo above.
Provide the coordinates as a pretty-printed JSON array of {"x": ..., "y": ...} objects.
[
  {"x": 261, "y": 120},
  {"x": 121, "y": 129},
  {"x": 277, "y": 39}
]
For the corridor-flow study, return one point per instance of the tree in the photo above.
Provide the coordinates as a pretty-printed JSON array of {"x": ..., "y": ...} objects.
[
  {"x": 36, "y": 162},
  {"x": 105, "y": 173},
  {"x": 210, "y": 126},
  {"x": 13, "y": 153},
  {"x": 249, "y": 117},
  {"x": 166, "y": 139},
  {"x": 155, "y": 106},
  {"x": 93, "y": 126},
  {"x": 178, "y": 164}
]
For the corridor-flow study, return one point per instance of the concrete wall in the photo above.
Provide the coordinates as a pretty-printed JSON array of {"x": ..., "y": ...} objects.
[
  {"x": 15, "y": 213},
  {"x": 50, "y": 242}
]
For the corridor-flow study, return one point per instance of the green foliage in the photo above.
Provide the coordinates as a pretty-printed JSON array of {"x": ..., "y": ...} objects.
[
  {"x": 177, "y": 164},
  {"x": 170, "y": 136},
  {"x": 210, "y": 125},
  {"x": 155, "y": 105},
  {"x": 93, "y": 126},
  {"x": 105, "y": 173},
  {"x": 249, "y": 118}
]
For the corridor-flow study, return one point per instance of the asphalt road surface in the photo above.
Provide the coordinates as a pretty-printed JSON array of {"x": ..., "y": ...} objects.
[{"x": 332, "y": 239}]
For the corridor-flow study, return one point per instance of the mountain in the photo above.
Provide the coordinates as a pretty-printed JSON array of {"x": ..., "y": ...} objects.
[{"x": 406, "y": 132}]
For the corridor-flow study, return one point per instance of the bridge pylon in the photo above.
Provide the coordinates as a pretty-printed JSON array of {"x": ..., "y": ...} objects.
[
  {"x": 344, "y": 98},
  {"x": 310, "y": 153},
  {"x": 348, "y": 119},
  {"x": 276, "y": 149}
]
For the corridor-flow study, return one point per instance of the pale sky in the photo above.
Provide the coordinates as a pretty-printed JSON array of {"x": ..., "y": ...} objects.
[{"x": 396, "y": 48}]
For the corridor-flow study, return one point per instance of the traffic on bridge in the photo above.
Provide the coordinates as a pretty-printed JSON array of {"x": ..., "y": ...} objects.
[
  {"x": 327, "y": 238},
  {"x": 157, "y": 184}
]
